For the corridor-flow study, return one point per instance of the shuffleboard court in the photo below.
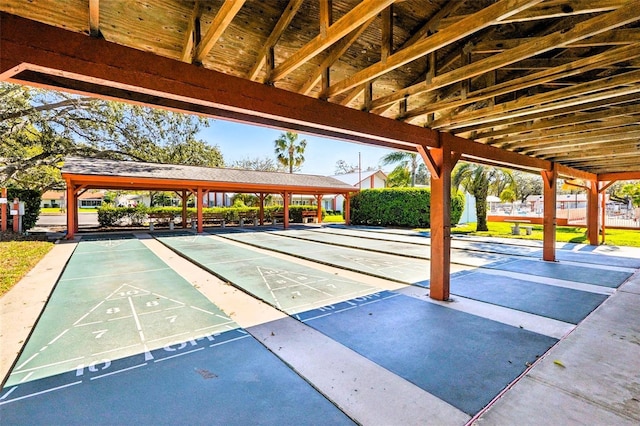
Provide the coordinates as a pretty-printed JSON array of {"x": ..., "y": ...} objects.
[
  {"x": 512, "y": 247},
  {"x": 287, "y": 286},
  {"x": 563, "y": 304},
  {"x": 125, "y": 339},
  {"x": 480, "y": 357},
  {"x": 392, "y": 267},
  {"x": 462, "y": 257},
  {"x": 570, "y": 272}
]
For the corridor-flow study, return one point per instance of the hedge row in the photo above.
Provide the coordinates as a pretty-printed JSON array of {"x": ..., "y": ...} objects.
[
  {"x": 112, "y": 216},
  {"x": 406, "y": 207}
]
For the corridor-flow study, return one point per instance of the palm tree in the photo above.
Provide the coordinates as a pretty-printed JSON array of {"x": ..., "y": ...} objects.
[
  {"x": 478, "y": 180},
  {"x": 408, "y": 160},
  {"x": 289, "y": 151}
]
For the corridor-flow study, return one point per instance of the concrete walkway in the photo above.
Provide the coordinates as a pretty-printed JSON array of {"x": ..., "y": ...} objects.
[{"x": 589, "y": 377}]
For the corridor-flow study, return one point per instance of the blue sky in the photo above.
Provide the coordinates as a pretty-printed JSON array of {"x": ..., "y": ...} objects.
[{"x": 238, "y": 141}]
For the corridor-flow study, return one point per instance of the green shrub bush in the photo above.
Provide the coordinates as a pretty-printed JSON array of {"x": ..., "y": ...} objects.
[
  {"x": 31, "y": 201},
  {"x": 406, "y": 207}
]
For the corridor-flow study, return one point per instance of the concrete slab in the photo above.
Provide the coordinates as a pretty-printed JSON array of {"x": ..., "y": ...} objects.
[{"x": 590, "y": 377}]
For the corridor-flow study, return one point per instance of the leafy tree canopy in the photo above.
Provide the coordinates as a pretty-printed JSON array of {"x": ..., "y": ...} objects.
[
  {"x": 265, "y": 164},
  {"x": 406, "y": 160},
  {"x": 38, "y": 128},
  {"x": 342, "y": 167}
]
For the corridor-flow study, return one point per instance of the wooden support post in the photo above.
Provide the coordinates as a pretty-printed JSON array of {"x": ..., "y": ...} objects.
[
  {"x": 603, "y": 200},
  {"x": 440, "y": 163},
  {"x": 592, "y": 213},
  {"x": 199, "y": 193},
  {"x": 319, "y": 211},
  {"x": 3, "y": 210},
  {"x": 16, "y": 217},
  {"x": 71, "y": 217},
  {"x": 347, "y": 208},
  {"x": 285, "y": 198},
  {"x": 262, "y": 197},
  {"x": 184, "y": 209},
  {"x": 549, "y": 180}
]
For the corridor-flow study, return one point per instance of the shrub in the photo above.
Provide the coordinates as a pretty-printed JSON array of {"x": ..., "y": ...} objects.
[
  {"x": 407, "y": 207},
  {"x": 31, "y": 199}
]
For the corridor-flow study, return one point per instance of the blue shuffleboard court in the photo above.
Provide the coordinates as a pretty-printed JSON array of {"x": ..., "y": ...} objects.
[
  {"x": 125, "y": 339},
  {"x": 570, "y": 272},
  {"x": 560, "y": 303},
  {"x": 461, "y": 358}
]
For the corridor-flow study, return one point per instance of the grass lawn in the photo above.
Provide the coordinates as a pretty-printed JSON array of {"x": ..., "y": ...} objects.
[
  {"x": 17, "y": 258},
  {"x": 334, "y": 218},
  {"x": 567, "y": 234}
]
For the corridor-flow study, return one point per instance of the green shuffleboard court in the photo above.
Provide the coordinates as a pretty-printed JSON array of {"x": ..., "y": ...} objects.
[{"x": 283, "y": 284}]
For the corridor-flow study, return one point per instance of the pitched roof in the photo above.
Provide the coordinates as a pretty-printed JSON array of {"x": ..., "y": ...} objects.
[
  {"x": 355, "y": 177},
  {"x": 207, "y": 177}
]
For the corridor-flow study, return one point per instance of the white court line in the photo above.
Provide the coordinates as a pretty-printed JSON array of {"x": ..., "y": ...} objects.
[
  {"x": 41, "y": 392},
  {"x": 114, "y": 275},
  {"x": 119, "y": 318},
  {"x": 177, "y": 355},
  {"x": 200, "y": 309},
  {"x": 275, "y": 299},
  {"x": 228, "y": 341},
  {"x": 8, "y": 393},
  {"x": 91, "y": 310},
  {"x": 25, "y": 378},
  {"x": 25, "y": 363},
  {"x": 574, "y": 285},
  {"x": 116, "y": 349},
  {"x": 118, "y": 371},
  {"x": 89, "y": 323},
  {"x": 59, "y": 336},
  {"x": 169, "y": 337},
  {"x": 48, "y": 365}
]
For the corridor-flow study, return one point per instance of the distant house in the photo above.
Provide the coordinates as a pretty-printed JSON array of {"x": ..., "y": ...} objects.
[
  {"x": 367, "y": 179},
  {"x": 364, "y": 180},
  {"x": 88, "y": 200}
]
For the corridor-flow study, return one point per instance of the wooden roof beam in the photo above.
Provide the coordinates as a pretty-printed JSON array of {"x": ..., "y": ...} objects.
[
  {"x": 94, "y": 18},
  {"x": 582, "y": 141},
  {"x": 343, "y": 26},
  {"x": 335, "y": 53},
  {"x": 619, "y": 176},
  {"x": 285, "y": 19},
  {"x": 593, "y": 26},
  {"x": 526, "y": 140},
  {"x": 606, "y": 88},
  {"x": 619, "y": 37},
  {"x": 484, "y": 18},
  {"x": 220, "y": 22},
  {"x": 579, "y": 66},
  {"x": 542, "y": 115},
  {"x": 189, "y": 34},
  {"x": 523, "y": 130},
  {"x": 554, "y": 9}
]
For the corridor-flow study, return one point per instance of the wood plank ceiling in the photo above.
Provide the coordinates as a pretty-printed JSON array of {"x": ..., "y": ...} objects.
[{"x": 556, "y": 80}]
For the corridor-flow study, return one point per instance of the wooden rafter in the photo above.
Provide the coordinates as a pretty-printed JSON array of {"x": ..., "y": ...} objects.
[
  {"x": 606, "y": 88},
  {"x": 579, "y": 66},
  {"x": 554, "y": 9},
  {"x": 343, "y": 26},
  {"x": 334, "y": 54},
  {"x": 596, "y": 25},
  {"x": 276, "y": 33},
  {"x": 482, "y": 19},
  {"x": 189, "y": 37},
  {"x": 220, "y": 22},
  {"x": 94, "y": 18}
]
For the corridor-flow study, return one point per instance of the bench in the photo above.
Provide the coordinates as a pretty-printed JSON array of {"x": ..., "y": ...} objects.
[
  {"x": 207, "y": 217},
  {"x": 248, "y": 216},
  {"x": 515, "y": 229},
  {"x": 309, "y": 215},
  {"x": 161, "y": 218}
]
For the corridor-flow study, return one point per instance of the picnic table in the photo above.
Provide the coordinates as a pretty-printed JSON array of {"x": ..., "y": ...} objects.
[{"x": 515, "y": 229}]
